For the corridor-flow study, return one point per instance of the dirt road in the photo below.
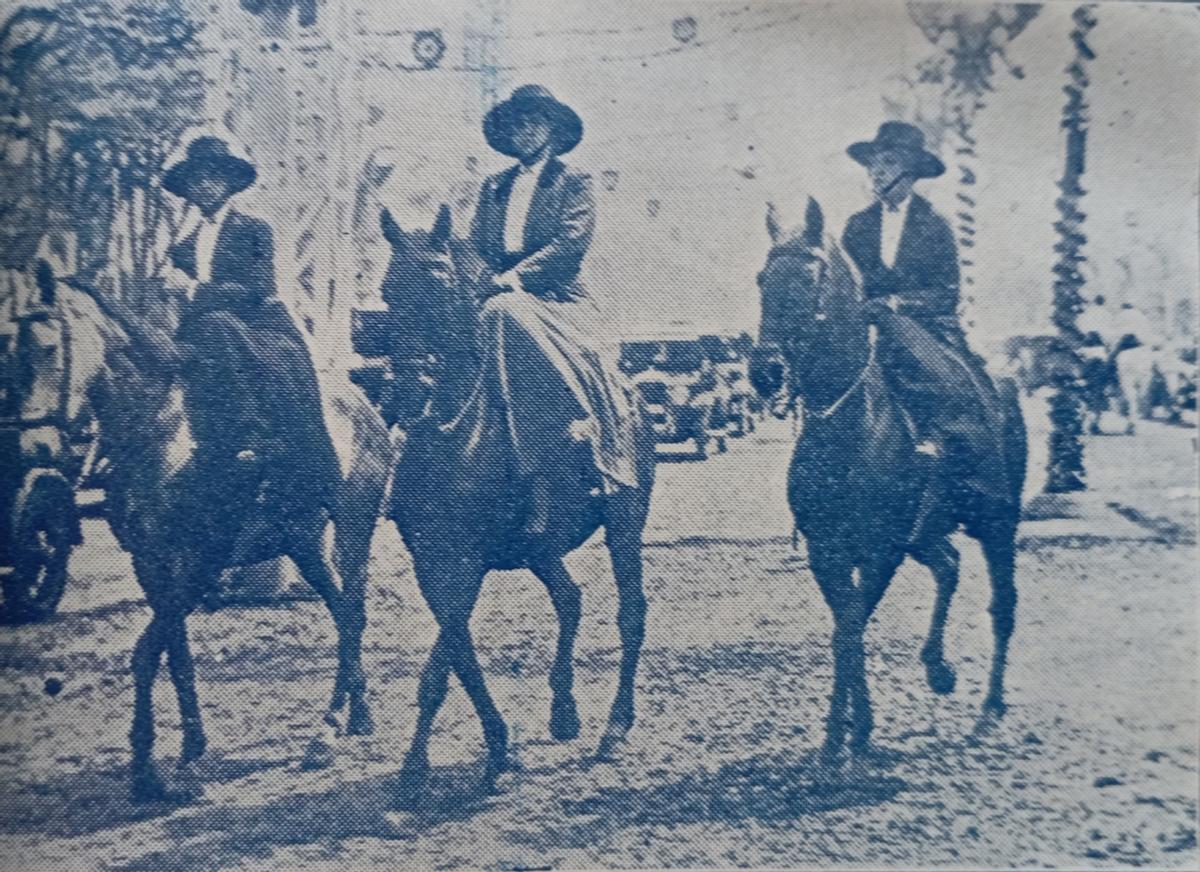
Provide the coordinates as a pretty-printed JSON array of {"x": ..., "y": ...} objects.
[{"x": 1096, "y": 764}]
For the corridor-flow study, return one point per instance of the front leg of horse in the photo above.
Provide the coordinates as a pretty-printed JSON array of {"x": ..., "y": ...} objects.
[
  {"x": 183, "y": 676},
  {"x": 451, "y": 587},
  {"x": 833, "y": 575},
  {"x": 145, "y": 783},
  {"x": 625, "y": 550},
  {"x": 431, "y": 694}
]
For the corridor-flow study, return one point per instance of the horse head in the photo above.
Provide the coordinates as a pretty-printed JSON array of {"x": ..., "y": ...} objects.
[
  {"x": 812, "y": 309},
  {"x": 429, "y": 290}
]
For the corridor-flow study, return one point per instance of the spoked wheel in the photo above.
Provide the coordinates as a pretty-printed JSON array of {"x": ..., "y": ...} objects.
[{"x": 45, "y": 527}]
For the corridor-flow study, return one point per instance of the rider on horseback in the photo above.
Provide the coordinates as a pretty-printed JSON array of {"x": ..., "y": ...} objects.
[
  {"x": 909, "y": 263},
  {"x": 249, "y": 386},
  {"x": 533, "y": 226}
]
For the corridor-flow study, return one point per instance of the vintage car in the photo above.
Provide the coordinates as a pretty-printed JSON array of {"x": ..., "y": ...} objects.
[
  {"x": 44, "y": 453},
  {"x": 738, "y": 403},
  {"x": 680, "y": 390}
]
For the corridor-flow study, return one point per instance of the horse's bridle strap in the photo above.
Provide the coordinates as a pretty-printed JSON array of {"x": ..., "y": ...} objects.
[{"x": 830, "y": 410}]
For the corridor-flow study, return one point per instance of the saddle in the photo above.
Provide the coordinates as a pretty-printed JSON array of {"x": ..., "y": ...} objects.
[{"x": 952, "y": 402}]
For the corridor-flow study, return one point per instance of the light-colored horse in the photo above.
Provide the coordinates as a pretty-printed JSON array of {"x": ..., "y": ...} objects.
[
  {"x": 1149, "y": 378},
  {"x": 144, "y": 436}
]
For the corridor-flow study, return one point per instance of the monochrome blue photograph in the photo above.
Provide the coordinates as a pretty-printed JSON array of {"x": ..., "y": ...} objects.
[{"x": 655, "y": 434}]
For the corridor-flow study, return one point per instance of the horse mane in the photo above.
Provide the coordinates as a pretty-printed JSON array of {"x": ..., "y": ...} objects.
[{"x": 93, "y": 335}]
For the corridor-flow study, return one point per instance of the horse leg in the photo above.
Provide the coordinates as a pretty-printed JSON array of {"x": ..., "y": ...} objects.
[
  {"x": 431, "y": 693},
  {"x": 354, "y": 529},
  {"x": 451, "y": 591},
  {"x": 835, "y": 579},
  {"x": 183, "y": 676},
  {"x": 999, "y": 549},
  {"x": 320, "y": 570},
  {"x": 567, "y": 600},
  {"x": 625, "y": 550},
  {"x": 851, "y": 628},
  {"x": 145, "y": 785},
  {"x": 941, "y": 557}
]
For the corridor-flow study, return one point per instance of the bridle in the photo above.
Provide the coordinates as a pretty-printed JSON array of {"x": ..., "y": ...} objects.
[{"x": 820, "y": 315}]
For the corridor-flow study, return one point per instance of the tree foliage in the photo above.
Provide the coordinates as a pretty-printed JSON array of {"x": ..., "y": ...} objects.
[{"x": 93, "y": 95}]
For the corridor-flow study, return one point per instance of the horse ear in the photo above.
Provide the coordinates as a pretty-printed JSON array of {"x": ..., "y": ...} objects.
[
  {"x": 391, "y": 230},
  {"x": 440, "y": 235},
  {"x": 774, "y": 230},
  {"x": 814, "y": 224}
]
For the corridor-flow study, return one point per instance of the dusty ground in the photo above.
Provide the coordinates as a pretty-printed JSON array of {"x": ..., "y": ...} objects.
[{"x": 1096, "y": 764}]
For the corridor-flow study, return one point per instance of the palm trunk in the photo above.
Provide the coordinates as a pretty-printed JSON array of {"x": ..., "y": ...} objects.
[{"x": 1065, "y": 469}]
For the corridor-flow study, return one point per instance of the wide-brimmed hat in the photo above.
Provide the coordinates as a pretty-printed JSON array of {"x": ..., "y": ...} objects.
[
  {"x": 209, "y": 156},
  {"x": 498, "y": 123},
  {"x": 904, "y": 139}
]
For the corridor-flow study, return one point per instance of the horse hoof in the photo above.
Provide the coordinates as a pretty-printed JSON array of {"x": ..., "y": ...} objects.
[
  {"x": 409, "y": 785},
  {"x": 193, "y": 749},
  {"x": 564, "y": 719},
  {"x": 941, "y": 677},
  {"x": 989, "y": 719},
  {"x": 613, "y": 737},
  {"x": 995, "y": 709},
  {"x": 318, "y": 755},
  {"x": 360, "y": 723},
  {"x": 146, "y": 787},
  {"x": 828, "y": 767},
  {"x": 498, "y": 765}
]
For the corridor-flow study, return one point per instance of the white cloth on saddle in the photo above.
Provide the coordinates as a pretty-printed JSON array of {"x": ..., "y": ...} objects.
[{"x": 517, "y": 330}]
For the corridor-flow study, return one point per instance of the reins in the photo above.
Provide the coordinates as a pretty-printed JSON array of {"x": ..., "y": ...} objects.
[{"x": 831, "y": 410}]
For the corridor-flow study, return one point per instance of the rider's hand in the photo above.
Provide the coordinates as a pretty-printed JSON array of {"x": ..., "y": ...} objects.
[
  {"x": 509, "y": 281},
  {"x": 247, "y": 455}
]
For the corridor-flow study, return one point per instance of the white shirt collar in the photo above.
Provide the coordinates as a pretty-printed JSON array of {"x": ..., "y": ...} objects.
[
  {"x": 534, "y": 169},
  {"x": 218, "y": 217}
]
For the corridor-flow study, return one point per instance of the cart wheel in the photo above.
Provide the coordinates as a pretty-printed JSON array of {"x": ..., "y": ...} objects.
[{"x": 45, "y": 528}]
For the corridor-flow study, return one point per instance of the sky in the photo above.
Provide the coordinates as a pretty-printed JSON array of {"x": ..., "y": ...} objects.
[{"x": 699, "y": 113}]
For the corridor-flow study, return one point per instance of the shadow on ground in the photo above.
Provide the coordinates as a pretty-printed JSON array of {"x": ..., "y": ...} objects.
[
  {"x": 764, "y": 789},
  {"x": 93, "y": 800}
]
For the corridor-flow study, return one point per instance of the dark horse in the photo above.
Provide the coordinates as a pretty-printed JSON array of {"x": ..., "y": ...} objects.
[
  {"x": 462, "y": 511},
  {"x": 144, "y": 436},
  {"x": 861, "y": 495}
]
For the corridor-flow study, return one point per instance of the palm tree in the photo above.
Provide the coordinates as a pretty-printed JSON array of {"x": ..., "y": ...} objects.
[
  {"x": 1065, "y": 470},
  {"x": 949, "y": 87}
]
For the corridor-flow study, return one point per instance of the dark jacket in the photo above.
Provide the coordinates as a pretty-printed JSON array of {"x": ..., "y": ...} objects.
[
  {"x": 243, "y": 256},
  {"x": 558, "y": 230},
  {"x": 249, "y": 380},
  {"x": 924, "y": 275}
]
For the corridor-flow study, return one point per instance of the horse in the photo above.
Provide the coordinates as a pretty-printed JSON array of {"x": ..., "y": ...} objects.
[
  {"x": 1149, "y": 377},
  {"x": 861, "y": 494},
  {"x": 145, "y": 439},
  {"x": 461, "y": 510}
]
